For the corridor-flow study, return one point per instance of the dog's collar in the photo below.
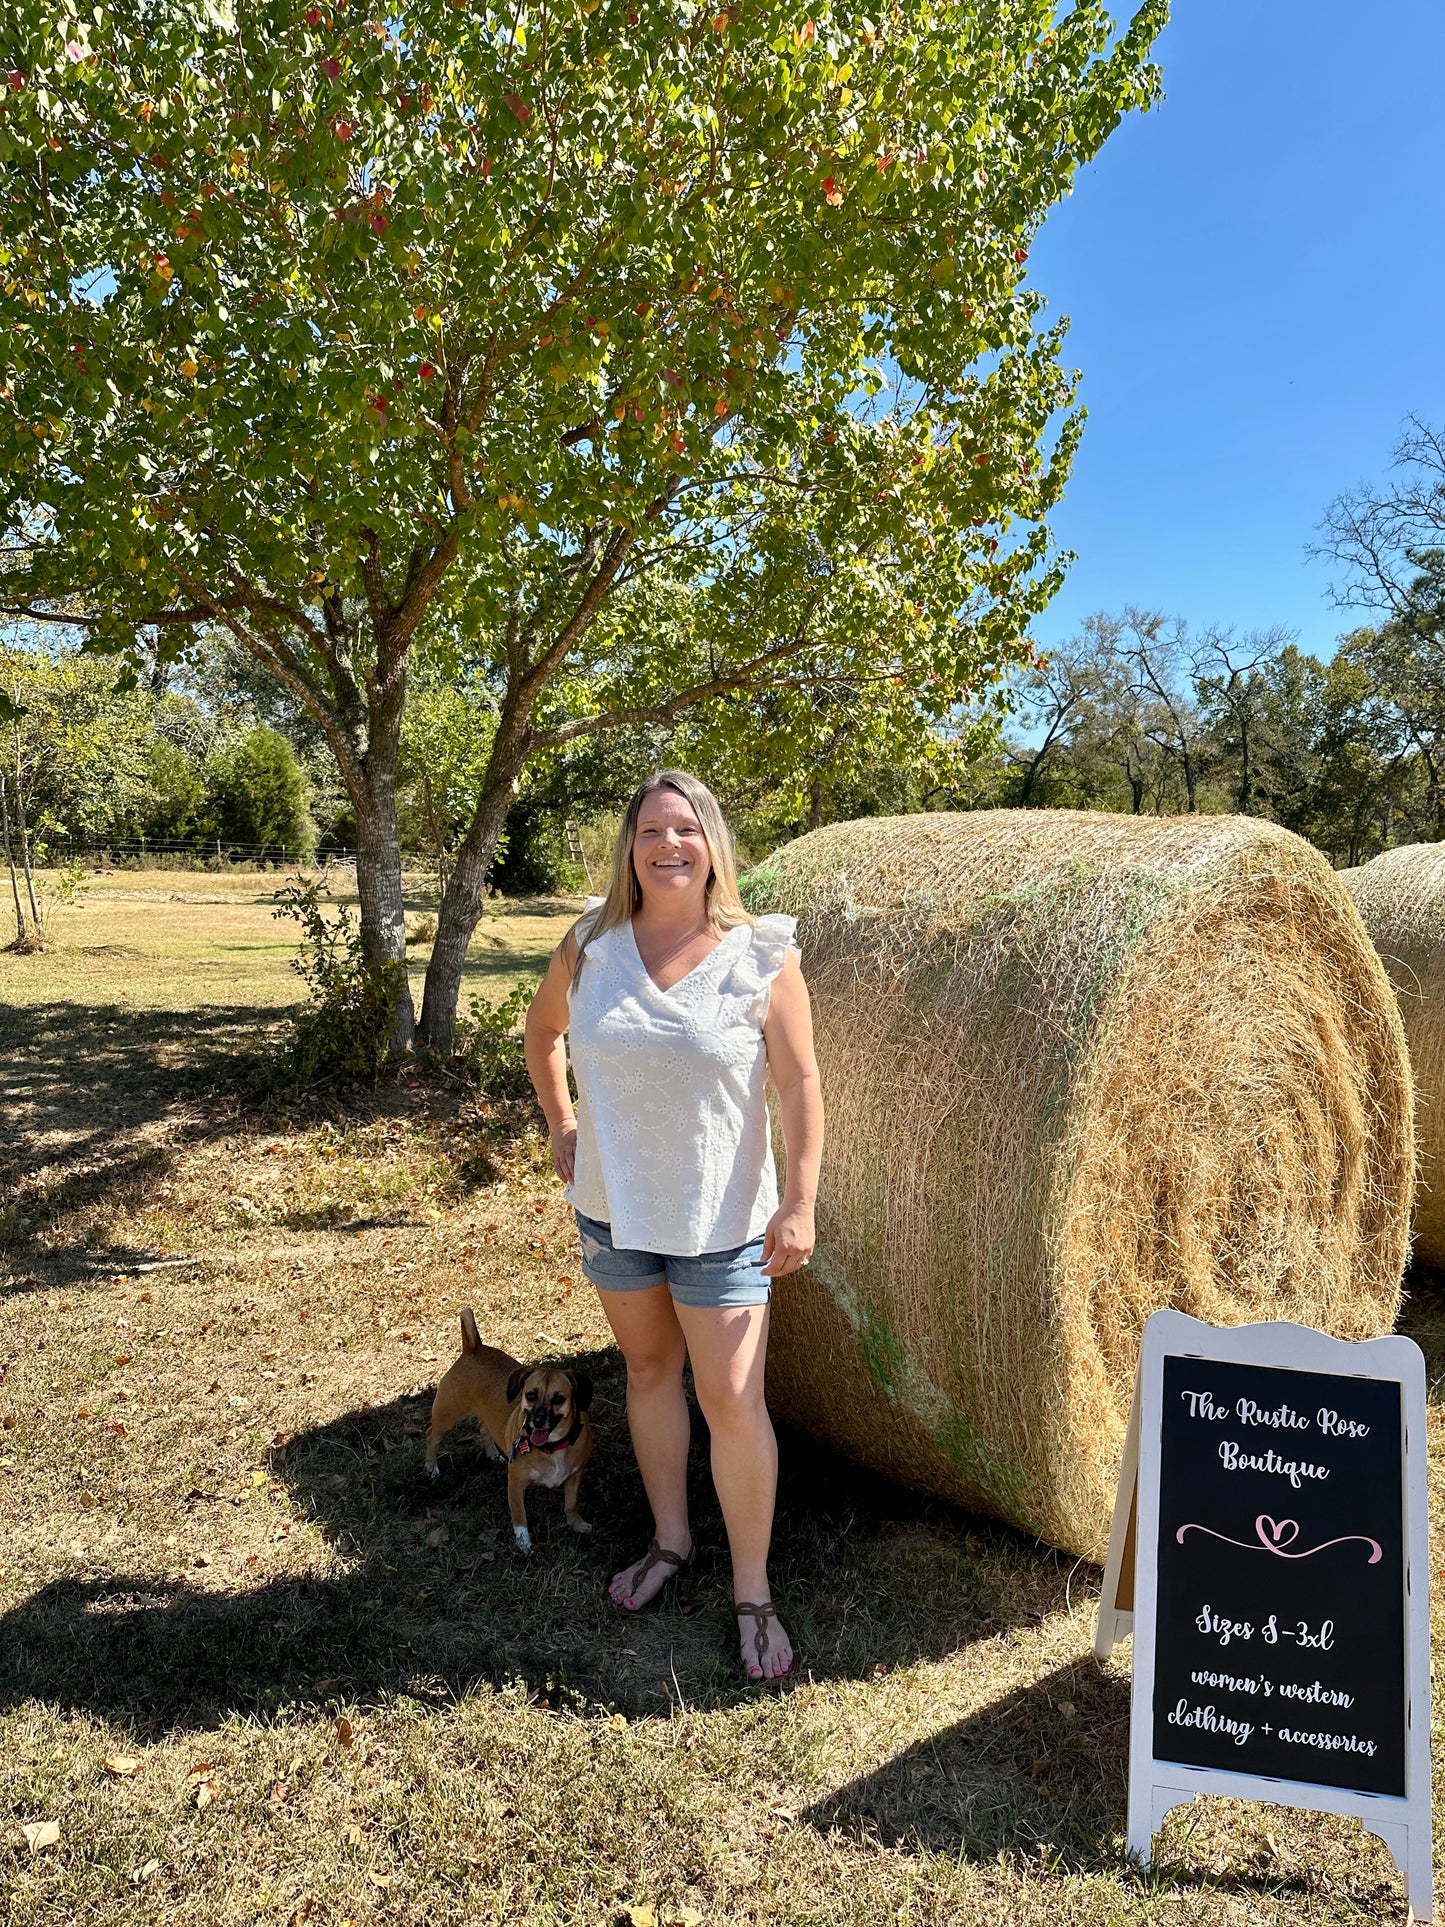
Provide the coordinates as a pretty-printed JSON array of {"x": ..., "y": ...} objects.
[{"x": 523, "y": 1444}]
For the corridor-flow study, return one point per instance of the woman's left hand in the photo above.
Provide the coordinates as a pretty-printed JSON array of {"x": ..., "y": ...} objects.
[{"x": 789, "y": 1239}]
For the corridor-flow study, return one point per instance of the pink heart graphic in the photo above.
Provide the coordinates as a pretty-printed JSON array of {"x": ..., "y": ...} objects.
[{"x": 1273, "y": 1530}]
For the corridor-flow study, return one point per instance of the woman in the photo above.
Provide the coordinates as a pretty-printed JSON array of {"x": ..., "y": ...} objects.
[{"x": 679, "y": 1003}]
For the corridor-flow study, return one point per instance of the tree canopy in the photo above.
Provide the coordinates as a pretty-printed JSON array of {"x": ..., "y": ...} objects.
[{"x": 630, "y": 359}]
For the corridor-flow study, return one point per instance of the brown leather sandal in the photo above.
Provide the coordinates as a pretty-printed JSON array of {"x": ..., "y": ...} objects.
[
  {"x": 655, "y": 1555},
  {"x": 760, "y": 1616}
]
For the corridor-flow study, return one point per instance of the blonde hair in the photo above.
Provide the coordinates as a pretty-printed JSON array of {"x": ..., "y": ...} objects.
[{"x": 624, "y": 893}]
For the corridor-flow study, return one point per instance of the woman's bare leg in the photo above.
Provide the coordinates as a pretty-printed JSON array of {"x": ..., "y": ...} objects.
[
  {"x": 728, "y": 1348},
  {"x": 651, "y": 1341}
]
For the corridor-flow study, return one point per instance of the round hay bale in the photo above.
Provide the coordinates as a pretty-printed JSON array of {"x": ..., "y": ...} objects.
[
  {"x": 1077, "y": 1067},
  {"x": 1401, "y": 900}
]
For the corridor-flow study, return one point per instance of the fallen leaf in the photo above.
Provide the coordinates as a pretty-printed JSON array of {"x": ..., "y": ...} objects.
[
  {"x": 120, "y": 1764},
  {"x": 1038, "y": 1768},
  {"x": 438, "y": 1536},
  {"x": 685, "y": 1917},
  {"x": 354, "y": 1835},
  {"x": 201, "y": 1770},
  {"x": 147, "y": 1298},
  {"x": 42, "y": 1833},
  {"x": 150, "y": 1868},
  {"x": 122, "y": 1358},
  {"x": 343, "y": 1731},
  {"x": 8, "y": 1421},
  {"x": 643, "y": 1916},
  {"x": 378, "y": 1879},
  {"x": 203, "y": 1794},
  {"x": 619, "y": 1720}
]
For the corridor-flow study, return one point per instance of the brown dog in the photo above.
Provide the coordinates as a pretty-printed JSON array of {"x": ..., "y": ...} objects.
[{"x": 533, "y": 1416}]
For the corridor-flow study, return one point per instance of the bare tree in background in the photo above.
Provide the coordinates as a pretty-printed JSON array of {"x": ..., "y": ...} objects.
[
  {"x": 1236, "y": 690},
  {"x": 1382, "y": 538}
]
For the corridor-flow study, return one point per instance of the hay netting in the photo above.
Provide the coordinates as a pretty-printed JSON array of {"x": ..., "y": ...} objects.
[
  {"x": 1076, "y": 1067},
  {"x": 1401, "y": 900}
]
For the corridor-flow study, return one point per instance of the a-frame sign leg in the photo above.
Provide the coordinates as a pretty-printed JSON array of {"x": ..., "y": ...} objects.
[{"x": 1116, "y": 1600}]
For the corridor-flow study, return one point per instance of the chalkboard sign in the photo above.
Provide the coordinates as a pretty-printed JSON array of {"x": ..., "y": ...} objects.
[{"x": 1270, "y": 1539}]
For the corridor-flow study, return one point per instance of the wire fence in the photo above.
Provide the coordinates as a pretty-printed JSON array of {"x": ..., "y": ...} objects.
[{"x": 67, "y": 848}]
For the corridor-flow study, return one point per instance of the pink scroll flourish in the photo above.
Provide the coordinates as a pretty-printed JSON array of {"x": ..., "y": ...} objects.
[{"x": 1272, "y": 1539}]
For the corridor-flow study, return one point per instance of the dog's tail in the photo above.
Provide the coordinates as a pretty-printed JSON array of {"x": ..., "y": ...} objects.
[{"x": 471, "y": 1342}]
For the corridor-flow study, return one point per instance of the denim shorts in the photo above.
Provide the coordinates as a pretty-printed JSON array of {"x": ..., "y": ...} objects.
[{"x": 712, "y": 1281}]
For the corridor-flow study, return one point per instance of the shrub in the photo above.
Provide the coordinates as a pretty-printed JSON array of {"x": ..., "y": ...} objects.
[
  {"x": 344, "y": 1029},
  {"x": 257, "y": 794},
  {"x": 490, "y": 1053}
]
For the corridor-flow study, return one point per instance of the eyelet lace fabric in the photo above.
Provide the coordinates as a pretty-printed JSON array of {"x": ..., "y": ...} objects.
[{"x": 673, "y": 1145}]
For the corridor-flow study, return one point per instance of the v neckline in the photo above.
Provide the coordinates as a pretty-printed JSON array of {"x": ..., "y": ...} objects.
[{"x": 689, "y": 975}]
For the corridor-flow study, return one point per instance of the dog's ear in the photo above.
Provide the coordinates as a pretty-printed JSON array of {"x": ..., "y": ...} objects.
[
  {"x": 581, "y": 1390},
  {"x": 471, "y": 1339},
  {"x": 516, "y": 1381}
]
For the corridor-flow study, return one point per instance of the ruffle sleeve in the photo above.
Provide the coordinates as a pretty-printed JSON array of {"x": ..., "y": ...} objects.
[
  {"x": 588, "y": 916},
  {"x": 762, "y": 958}
]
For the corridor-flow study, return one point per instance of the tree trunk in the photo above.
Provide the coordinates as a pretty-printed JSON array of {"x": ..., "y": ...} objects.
[
  {"x": 10, "y": 861},
  {"x": 815, "y": 803},
  {"x": 35, "y": 920},
  {"x": 460, "y": 913},
  {"x": 378, "y": 885}
]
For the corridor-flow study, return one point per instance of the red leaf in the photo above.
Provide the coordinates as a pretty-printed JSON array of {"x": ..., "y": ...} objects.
[
  {"x": 519, "y": 107},
  {"x": 313, "y": 16},
  {"x": 344, "y": 130},
  {"x": 832, "y": 193},
  {"x": 427, "y": 371},
  {"x": 16, "y": 79},
  {"x": 331, "y": 66}
]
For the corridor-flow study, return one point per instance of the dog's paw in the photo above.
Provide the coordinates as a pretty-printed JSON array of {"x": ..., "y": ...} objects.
[
  {"x": 492, "y": 1452},
  {"x": 580, "y": 1525},
  {"x": 432, "y": 1471},
  {"x": 523, "y": 1538}
]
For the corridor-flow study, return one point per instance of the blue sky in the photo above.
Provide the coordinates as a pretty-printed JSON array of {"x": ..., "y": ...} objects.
[{"x": 1255, "y": 274}]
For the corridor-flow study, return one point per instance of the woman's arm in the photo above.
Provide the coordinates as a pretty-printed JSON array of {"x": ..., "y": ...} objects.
[
  {"x": 547, "y": 1017},
  {"x": 788, "y": 1036}
]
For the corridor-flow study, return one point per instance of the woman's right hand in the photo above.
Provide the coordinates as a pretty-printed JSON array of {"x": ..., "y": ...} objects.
[{"x": 564, "y": 1149}]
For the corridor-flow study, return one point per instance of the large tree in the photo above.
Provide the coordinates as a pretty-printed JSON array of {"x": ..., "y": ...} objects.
[{"x": 359, "y": 332}]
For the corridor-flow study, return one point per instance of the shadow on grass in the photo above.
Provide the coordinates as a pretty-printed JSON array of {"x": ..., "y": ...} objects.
[
  {"x": 97, "y": 1104},
  {"x": 1044, "y": 1767},
  {"x": 433, "y": 1598}
]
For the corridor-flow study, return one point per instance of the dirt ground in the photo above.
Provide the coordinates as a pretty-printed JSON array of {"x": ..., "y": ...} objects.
[{"x": 253, "y": 1667}]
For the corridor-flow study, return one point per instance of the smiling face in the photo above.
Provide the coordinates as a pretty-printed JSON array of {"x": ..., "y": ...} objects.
[{"x": 670, "y": 855}]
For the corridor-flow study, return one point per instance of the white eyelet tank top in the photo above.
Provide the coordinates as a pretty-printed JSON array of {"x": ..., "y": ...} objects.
[{"x": 673, "y": 1146}]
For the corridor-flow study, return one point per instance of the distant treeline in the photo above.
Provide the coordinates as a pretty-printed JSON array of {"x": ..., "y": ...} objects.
[{"x": 1137, "y": 714}]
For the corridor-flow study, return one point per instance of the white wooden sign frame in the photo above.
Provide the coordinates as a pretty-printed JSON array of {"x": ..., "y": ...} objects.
[{"x": 1131, "y": 1580}]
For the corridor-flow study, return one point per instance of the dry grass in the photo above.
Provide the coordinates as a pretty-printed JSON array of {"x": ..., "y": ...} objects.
[
  {"x": 344, "y": 1696},
  {"x": 1076, "y": 1067}
]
